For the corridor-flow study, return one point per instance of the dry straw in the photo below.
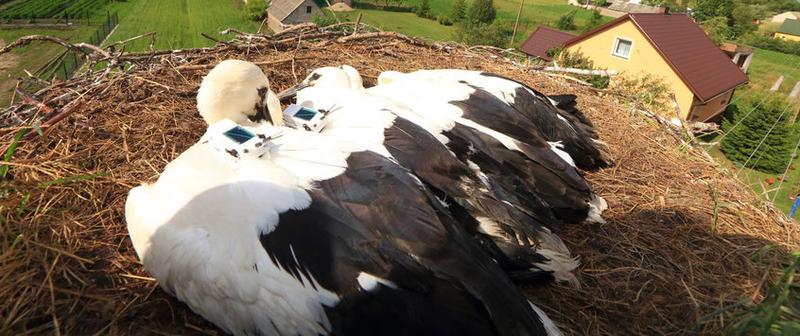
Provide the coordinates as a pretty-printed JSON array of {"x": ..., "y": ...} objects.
[{"x": 684, "y": 241}]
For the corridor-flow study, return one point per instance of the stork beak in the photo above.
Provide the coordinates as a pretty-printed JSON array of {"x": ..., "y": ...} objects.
[{"x": 286, "y": 96}]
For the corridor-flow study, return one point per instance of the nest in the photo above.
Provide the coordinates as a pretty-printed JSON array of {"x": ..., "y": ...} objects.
[{"x": 685, "y": 247}]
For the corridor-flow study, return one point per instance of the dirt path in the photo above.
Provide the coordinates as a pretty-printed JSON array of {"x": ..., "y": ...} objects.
[{"x": 8, "y": 62}]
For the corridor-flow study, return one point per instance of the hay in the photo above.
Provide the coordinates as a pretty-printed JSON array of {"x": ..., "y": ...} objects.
[{"x": 683, "y": 238}]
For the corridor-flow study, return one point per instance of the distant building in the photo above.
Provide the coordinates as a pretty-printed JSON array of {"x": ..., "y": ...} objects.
[
  {"x": 282, "y": 13},
  {"x": 789, "y": 30},
  {"x": 740, "y": 55},
  {"x": 670, "y": 47},
  {"x": 632, "y": 6},
  {"x": 786, "y": 16}
]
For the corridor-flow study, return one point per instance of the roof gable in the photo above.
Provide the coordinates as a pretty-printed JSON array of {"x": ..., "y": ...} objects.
[
  {"x": 697, "y": 60},
  {"x": 791, "y": 27},
  {"x": 543, "y": 39},
  {"x": 281, "y": 9}
]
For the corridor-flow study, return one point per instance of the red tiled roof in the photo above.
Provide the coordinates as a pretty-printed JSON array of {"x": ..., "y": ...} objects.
[
  {"x": 705, "y": 69},
  {"x": 544, "y": 39}
]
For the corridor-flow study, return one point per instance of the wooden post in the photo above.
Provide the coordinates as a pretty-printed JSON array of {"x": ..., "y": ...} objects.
[
  {"x": 516, "y": 23},
  {"x": 358, "y": 23},
  {"x": 796, "y": 91},
  {"x": 777, "y": 85}
]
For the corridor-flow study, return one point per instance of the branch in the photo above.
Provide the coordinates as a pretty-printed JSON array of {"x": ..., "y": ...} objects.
[
  {"x": 607, "y": 73},
  {"x": 79, "y": 47}
]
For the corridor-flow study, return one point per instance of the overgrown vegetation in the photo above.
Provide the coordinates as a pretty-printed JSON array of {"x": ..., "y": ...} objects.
[
  {"x": 568, "y": 59},
  {"x": 644, "y": 92},
  {"x": 567, "y": 22},
  {"x": 778, "y": 313},
  {"x": 256, "y": 10},
  {"x": 759, "y": 134}
]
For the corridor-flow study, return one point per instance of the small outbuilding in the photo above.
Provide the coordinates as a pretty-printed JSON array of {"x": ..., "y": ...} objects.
[
  {"x": 542, "y": 40},
  {"x": 789, "y": 30},
  {"x": 283, "y": 13},
  {"x": 780, "y": 18}
]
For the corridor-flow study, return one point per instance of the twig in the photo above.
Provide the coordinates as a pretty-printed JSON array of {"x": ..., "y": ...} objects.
[{"x": 79, "y": 47}]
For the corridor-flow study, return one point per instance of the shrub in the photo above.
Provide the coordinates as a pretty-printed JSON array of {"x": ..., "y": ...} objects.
[
  {"x": 595, "y": 20},
  {"x": 481, "y": 12},
  {"x": 496, "y": 34},
  {"x": 763, "y": 134},
  {"x": 646, "y": 92},
  {"x": 444, "y": 20},
  {"x": 567, "y": 21},
  {"x": 459, "y": 11},
  {"x": 323, "y": 19},
  {"x": 256, "y": 10}
]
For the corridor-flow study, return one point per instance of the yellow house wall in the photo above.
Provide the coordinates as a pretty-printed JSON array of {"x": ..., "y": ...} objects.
[
  {"x": 644, "y": 60},
  {"x": 702, "y": 112},
  {"x": 787, "y": 37}
]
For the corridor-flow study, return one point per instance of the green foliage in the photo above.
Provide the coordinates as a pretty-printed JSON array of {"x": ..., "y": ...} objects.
[
  {"x": 742, "y": 18},
  {"x": 496, "y": 34},
  {"x": 779, "y": 313},
  {"x": 459, "y": 11},
  {"x": 648, "y": 92},
  {"x": 770, "y": 43},
  {"x": 52, "y": 9},
  {"x": 767, "y": 123},
  {"x": 444, "y": 20},
  {"x": 717, "y": 29},
  {"x": 707, "y": 9},
  {"x": 482, "y": 12},
  {"x": 567, "y": 21},
  {"x": 323, "y": 19},
  {"x": 578, "y": 60},
  {"x": 424, "y": 10},
  {"x": 256, "y": 10},
  {"x": 594, "y": 21}
]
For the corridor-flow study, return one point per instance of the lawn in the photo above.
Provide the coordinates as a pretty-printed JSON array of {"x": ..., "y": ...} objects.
[
  {"x": 768, "y": 65},
  {"x": 534, "y": 14},
  {"x": 406, "y": 23},
  {"x": 33, "y": 56},
  {"x": 177, "y": 23}
]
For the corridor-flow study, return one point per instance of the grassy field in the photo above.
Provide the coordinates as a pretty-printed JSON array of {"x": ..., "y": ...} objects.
[
  {"x": 406, "y": 23},
  {"x": 768, "y": 65},
  {"x": 33, "y": 56},
  {"x": 177, "y": 23},
  {"x": 534, "y": 14}
]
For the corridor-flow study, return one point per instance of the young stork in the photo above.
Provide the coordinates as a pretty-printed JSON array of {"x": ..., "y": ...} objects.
[
  {"x": 314, "y": 237},
  {"x": 556, "y": 117},
  {"x": 525, "y": 246}
]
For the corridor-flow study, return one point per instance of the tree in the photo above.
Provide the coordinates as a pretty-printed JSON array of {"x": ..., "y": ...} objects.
[
  {"x": 595, "y": 20},
  {"x": 256, "y": 10},
  {"x": 481, "y": 12},
  {"x": 742, "y": 20},
  {"x": 496, "y": 34},
  {"x": 717, "y": 29},
  {"x": 766, "y": 125},
  {"x": 424, "y": 9},
  {"x": 567, "y": 22},
  {"x": 707, "y": 9},
  {"x": 459, "y": 11}
]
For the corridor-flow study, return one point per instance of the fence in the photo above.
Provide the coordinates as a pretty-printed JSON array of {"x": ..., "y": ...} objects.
[{"x": 69, "y": 62}]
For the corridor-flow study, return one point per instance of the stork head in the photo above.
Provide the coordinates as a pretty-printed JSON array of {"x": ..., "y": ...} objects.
[
  {"x": 239, "y": 91},
  {"x": 387, "y": 77}
]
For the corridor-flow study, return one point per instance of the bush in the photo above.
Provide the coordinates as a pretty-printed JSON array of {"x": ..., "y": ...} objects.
[
  {"x": 459, "y": 11},
  {"x": 496, "y": 34},
  {"x": 424, "y": 10},
  {"x": 444, "y": 20},
  {"x": 594, "y": 21},
  {"x": 256, "y": 10},
  {"x": 567, "y": 21},
  {"x": 646, "y": 92},
  {"x": 761, "y": 118},
  {"x": 481, "y": 12},
  {"x": 578, "y": 60},
  {"x": 324, "y": 19},
  {"x": 770, "y": 43},
  {"x": 717, "y": 29}
]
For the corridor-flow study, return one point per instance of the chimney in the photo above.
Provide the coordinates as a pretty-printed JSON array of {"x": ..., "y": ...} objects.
[{"x": 663, "y": 10}]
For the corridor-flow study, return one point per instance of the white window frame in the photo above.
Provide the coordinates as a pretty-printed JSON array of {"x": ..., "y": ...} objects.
[{"x": 616, "y": 44}]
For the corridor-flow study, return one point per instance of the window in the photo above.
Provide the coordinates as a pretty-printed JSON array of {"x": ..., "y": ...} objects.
[
  {"x": 622, "y": 48},
  {"x": 308, "y": 9}
]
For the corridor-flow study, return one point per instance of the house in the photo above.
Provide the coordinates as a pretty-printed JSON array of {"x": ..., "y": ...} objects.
[
  {"x": 667, "y": 46},
  {"x": 542, "y": 39},
  {"x": 283, "y": 13},
  {"x": 789, "y": 30},
  {"x": 786, "y": 16}
]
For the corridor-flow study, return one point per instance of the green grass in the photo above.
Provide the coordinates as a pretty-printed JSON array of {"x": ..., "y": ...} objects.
[
  {"x": 34, "y": 55},
  {"x": 756, "y": 180},
  {"x": 406, "y": 23},
  {"x": 768, "y": 65},
  {"x": 534, "y": 14},
  {"x": 177, "y": 23}
]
